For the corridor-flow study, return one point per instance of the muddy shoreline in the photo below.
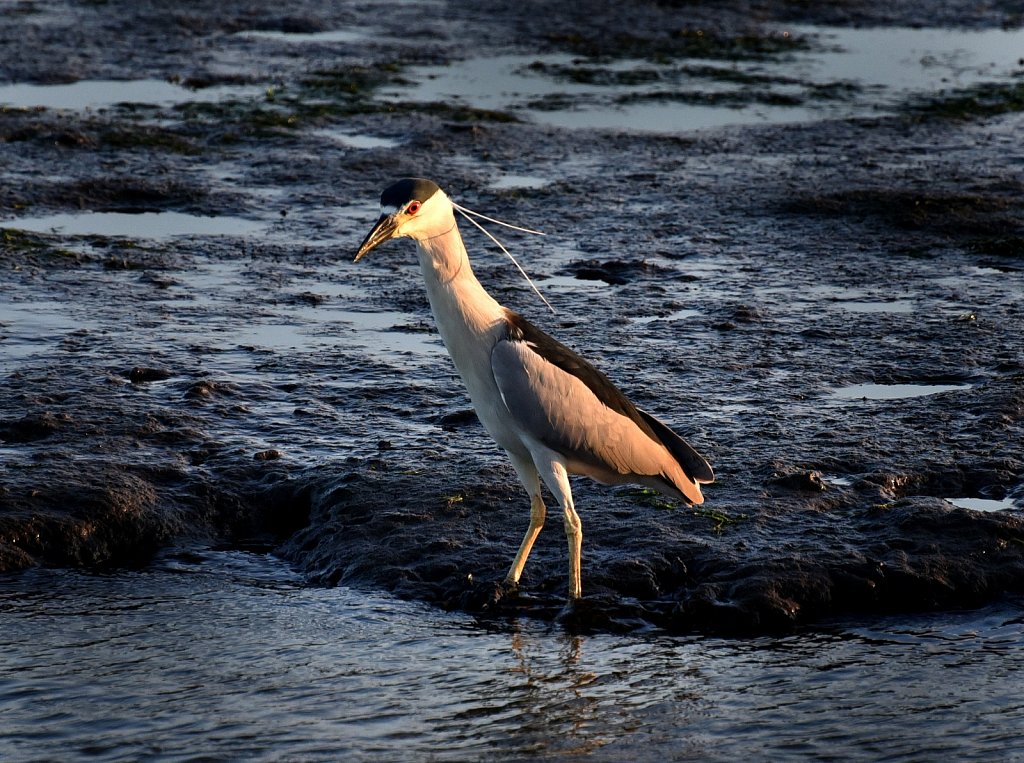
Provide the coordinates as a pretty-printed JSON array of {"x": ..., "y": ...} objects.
[{"x": 258, "y": 388}]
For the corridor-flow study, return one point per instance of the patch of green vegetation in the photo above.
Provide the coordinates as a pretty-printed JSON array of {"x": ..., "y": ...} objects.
[
  {"x": 653, "y": 499},
  {"x": 680, "y": 43},
  {"x": 351, "y": 81},
  {"x": 603, "y": 76},
  {"x": 323, "y": 95},
  {"x": 596, "y": 75},
  {"x": 18, "y": 239},
  {"x": 456, "y": 113},
  {"x": 985, "y": 100},
  {"x": 645, "y": 496},
  {"x": 8, "y": 109},
  {"x": 720, "y": 518},
  {"x": 734, "y": 98},
  {"x": 554, "y": 102},
  {"x": 236, "y": 118},
  {"x": 15, "y": 240}
]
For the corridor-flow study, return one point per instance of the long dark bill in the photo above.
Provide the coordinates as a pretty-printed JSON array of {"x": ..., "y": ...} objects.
[{"x": 382, "y": 231}]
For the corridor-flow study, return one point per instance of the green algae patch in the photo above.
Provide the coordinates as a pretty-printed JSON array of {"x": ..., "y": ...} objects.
[
  {"x": 679, "y": 43},
  {"x": 980, "y": 102}
]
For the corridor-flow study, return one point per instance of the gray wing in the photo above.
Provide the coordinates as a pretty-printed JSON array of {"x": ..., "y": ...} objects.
[{"x": 561, "y": 411}]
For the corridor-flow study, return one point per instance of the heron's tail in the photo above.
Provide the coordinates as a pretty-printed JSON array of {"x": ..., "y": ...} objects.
[{"x": 696, "y": 470}]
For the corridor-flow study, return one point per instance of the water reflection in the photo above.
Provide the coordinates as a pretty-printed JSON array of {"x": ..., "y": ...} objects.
[
  {"x": 228, "y": 655},
  {"x": 558, "y": 699}
]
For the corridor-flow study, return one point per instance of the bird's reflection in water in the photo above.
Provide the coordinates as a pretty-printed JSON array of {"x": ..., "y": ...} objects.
[
  {"x": 554, "y": 697},
  {"x": 590, "y": 692}
]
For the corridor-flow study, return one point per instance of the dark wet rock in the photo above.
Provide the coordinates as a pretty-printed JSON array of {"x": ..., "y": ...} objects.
[
  {"x": 105, "y": 519},
  {"x": 803, "y": 480},
  {"x": 160, "y": 282},
  {"x": 141, "y": 374},
  {"x": 35, "y": 426},
  {"x": 747, "y": 314},
  {"x": 612, "y": 272},
  {"x": 452, "y": 421},
  {"x": 132, "y": 194},
  {"x": 999, "y": 208},
  {"x": 291, "y": 24},
  {"x": 206, "y": 390},
  {"x": 889, "y": 214},
  {"x": 917, "y": 553},
  {"x": 309, "y": 298},
  {"x": 268, "y": 455}
]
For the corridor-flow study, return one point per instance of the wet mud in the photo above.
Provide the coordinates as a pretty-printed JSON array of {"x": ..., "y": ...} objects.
[{"x": 255, "y": 387}]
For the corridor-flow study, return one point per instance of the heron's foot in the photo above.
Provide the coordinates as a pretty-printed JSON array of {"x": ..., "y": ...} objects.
[
  {"x": 575, "y": 615},
  {"x": 487, "y": 595},
  {"x": 503, "y": 589},
  {"x": 598, "y": 612}
]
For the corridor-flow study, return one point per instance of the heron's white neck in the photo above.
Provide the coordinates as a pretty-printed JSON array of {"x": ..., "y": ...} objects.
[{"x": 457, "y": 298}]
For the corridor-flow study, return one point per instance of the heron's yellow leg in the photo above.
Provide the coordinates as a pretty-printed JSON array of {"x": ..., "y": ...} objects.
[
  {"x": 574, "y": 536},
  {"x": 555, "y": 476},
  {"x": 537, "y": 514}
]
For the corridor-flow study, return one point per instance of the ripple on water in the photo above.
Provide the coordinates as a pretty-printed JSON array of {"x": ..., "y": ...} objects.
[
  {"x": 29, "y": 328},
  {"x": 228, "y": 654}
]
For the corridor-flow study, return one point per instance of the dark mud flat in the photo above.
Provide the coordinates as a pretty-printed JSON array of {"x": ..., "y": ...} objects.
[{"x": 253, "y": 386}]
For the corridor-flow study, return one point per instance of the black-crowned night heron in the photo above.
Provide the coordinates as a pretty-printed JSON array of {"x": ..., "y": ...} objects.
[{"x": 551, "y": 410}]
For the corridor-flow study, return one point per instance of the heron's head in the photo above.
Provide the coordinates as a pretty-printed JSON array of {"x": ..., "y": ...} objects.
[{"x": 412, "y": 208}]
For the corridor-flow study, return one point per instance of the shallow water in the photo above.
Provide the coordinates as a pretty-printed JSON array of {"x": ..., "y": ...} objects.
[
  {"x": 228, "y": 655},
  {"x": 844, "y": 73},
  {"x": 96, "y": 94}
]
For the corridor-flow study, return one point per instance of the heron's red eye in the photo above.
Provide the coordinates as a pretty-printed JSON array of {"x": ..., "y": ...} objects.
[{"x": 413, "y": 208}]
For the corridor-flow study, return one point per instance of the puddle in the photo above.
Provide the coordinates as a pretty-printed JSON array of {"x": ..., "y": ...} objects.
[
  {"x": 353, "y": 140},
  {"x": 844, "y": 298},
  {"x": 678, "y": 315},
  {"x": 983, "y": 504},
  {"x": 835, "y": 479},
  {"x": 141, "y": 225},
  {"x": 515, "y": 83},
  {"x": 386, "y": 331},
  {"x": 896, "y": 306},
  {"x": 96, "y": 94},
  {"x": 893, "y": 391},
  {"x": 323, "y": 328},
  {"x": 353, "y": 34},
  {"x": 848, "y": 72},
  {"x": 900, "y": 59},
  {"x": 507, "y": 182}
]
